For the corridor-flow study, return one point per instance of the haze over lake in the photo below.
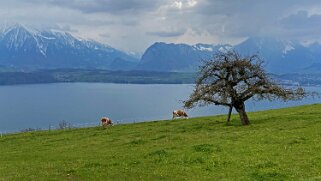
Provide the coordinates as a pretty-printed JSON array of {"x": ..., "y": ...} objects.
[{"x": 83, "y": 104}]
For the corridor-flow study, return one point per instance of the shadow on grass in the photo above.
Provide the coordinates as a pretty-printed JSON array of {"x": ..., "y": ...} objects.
[
  {"x": 137, "y": 142},
  {"x": 159, "y": 155},
  {"x": 159, "y": 137},
  {"x": 208, "y": 148},
  {"x": 273, "y": 175}
]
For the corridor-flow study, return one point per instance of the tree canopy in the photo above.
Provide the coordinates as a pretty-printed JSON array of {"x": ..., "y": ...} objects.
[{"x": 229, "y": 79}]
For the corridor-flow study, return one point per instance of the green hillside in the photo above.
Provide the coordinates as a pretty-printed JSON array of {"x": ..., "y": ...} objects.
[{"x": 282, "y": 144}]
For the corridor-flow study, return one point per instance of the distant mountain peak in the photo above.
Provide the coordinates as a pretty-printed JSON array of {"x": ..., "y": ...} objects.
[
  {"x": 177, "y": 57},
  {"x": 23, "y": 46},
  {"x": 280, "y": 55}
]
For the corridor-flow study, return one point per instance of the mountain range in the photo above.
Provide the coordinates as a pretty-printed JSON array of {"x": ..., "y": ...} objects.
[
  {"x": 24, "y": 48},
  {"x": 279, "y": 56},
  {"x": 177, "y": 57},
  {"x": 27, "y": 48}
]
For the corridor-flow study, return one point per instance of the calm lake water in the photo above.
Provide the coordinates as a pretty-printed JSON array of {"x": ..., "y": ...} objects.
[{"x": 83, "y": 104}]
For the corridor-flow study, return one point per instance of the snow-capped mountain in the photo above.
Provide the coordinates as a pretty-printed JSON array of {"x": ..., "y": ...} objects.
[
  {"x": 27, "y": 48},
  {"x": 177, "y": 57},
  {"x": 280, "y": 56},
  {"x": 22, "y": 47}
]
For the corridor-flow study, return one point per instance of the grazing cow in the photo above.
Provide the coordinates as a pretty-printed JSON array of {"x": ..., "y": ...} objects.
[
  {"x": 179, "y": 113},
  {"x": 106, "y": 122}
]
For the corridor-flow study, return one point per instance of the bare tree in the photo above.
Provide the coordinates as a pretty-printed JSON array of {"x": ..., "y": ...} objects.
[{"x": 230, "y": 79}]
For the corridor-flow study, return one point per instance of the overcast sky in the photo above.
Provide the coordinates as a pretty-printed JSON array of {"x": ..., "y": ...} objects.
[{"x": 133, "y": 25}]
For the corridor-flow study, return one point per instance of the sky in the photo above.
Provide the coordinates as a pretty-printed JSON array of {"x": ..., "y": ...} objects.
[{"x": 133, "y": 25}]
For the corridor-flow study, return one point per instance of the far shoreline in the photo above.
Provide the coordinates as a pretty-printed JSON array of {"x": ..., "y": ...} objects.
[{"x": 8, "y": 78}]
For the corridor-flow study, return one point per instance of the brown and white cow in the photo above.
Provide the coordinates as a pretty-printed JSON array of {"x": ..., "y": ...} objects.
[
  {"x": 179, "y": 113},
  {"x": 106, "y": 122}
]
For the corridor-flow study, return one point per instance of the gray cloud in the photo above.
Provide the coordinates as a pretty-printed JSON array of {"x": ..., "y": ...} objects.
[
  {"x": 301, "y": 20},
  {"x": 135, "y": 24},
  {"x": 301, "y": 25},
  {"x": 104, "y": 35},
  {"x": 166, "y": 33},
  {"x": 66, "y": 28},
  {"x": 104, "y": 6}
]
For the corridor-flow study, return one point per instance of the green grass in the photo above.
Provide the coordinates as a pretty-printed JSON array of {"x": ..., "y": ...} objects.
[{"x": 282, "y": 144}]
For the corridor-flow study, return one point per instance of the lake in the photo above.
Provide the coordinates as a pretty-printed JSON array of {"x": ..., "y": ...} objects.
[{"x": 83, "y": 104}]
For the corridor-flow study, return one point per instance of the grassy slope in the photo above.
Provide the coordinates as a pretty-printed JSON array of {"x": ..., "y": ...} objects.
[{"x": 280, "y": 144}]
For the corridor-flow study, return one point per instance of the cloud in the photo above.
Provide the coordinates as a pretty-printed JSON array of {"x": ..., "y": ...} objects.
[
  {"x": 302, "y": 20},
  {"x": 66, "y": 28},
  {"x": 183, "y": 4},
  {"x": 166, "y": 33},
  {"x": 133, "y": 25},
  {"x": 177, "y": 4},
  {"x": 104, "y": 35},
  {"x": 103, "y": 6},
  {"x": 301, "y": 26}
]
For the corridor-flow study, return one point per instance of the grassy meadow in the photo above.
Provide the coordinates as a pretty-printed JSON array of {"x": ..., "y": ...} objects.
[{"x": 282, "y": 144}]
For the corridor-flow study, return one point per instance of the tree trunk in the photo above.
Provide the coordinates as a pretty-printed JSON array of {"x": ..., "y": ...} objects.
[
  {"x": 229, "y": 113},
  {"x": 243, "y": 116}
]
